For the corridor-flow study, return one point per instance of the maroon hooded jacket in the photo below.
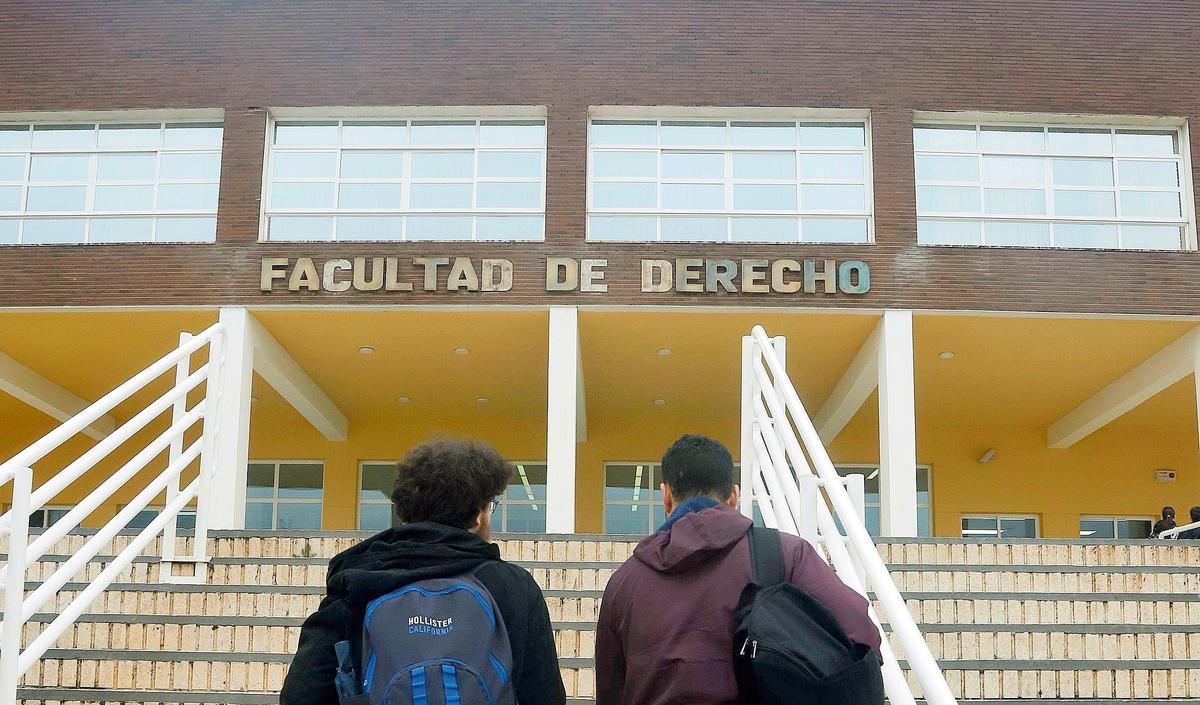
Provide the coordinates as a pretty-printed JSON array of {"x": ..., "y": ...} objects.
[{"x": 665, "y": 634}]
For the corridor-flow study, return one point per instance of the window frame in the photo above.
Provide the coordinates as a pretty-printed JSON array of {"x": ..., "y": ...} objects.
[
  {"x": 928, "y": 468},
  {"x": 655, "y": 469},
  {"x": 1047, "y": 123},
  {"x": 730, "y": 116},
  {"x": 359, "y": 501},
  {"x": 276, "y": 500},
  {"x": 1114, "y": 519},
  {"x": 1037, "y": 524},
  {"x": 408, "y": 116},
  {"x": 506, "y": 501}
]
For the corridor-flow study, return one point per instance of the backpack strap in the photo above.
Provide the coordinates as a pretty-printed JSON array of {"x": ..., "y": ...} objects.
[{"x": 766, "y": 556}]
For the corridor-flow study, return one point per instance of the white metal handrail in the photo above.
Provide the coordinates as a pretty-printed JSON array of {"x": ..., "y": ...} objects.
[
  {"x": 18, "y": 606},
  {"x": 1174, "y": 533},
  {"x": 786, "y": 463}
]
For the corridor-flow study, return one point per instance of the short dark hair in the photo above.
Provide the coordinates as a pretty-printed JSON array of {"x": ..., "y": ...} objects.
[
  {"x": 448, "y": 481},
  {"x": 698, "y": 466},
  {"x": 1195, "y": 512}
]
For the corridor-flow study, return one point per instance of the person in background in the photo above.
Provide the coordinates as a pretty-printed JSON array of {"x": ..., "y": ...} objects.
[
  {"x": 1167, "y": 522},
  {"x": 1192, "y": 533}
]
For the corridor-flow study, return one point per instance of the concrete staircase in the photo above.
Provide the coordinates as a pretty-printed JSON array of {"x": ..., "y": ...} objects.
[{"x": 1092, "y": 622}]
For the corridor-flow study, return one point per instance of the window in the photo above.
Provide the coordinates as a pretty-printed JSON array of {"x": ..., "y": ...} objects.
[
  {"x": 633, "y": 503},
  {"x": 729, "y": 180},
  {"x": 284, "y": 495},
  {"x": 375, "y": 482},
  {"x": 45, "y": 517},
  {"x": 1052, "y": 186},
  {"x": 406, "y": 180},
  {"x": 1006, "y": 526},
  {"x": 871, "y": 492},
  {"x": 186, "y": 519},
  {"x": 1112, "y": 527},
  {"x": 77, "y": 183}
]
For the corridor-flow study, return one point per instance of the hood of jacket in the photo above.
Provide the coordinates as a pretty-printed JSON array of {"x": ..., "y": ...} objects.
[{"x": 694, "y": 539}]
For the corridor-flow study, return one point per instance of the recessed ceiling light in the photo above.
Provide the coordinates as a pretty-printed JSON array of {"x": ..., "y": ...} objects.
[
  {"x": 482, "y": 400},
  {"x": 664, "y": 351},
  {"x": 404, "y": 400},
  {"x": 660, "y": 402},
  {"x": 946, "y": 355},
  {"x": 367, "y": 350},
  {"x": 461, "y": 351}
]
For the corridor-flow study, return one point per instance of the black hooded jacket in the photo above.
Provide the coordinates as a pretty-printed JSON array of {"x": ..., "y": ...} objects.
[{"x": 402, "y": 555}]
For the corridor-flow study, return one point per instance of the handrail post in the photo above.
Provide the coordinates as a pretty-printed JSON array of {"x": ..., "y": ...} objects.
[
  {"x": 178, "y": 409},
  {"x": 14, "y": 588},
  {"x": 809, "y": 496},
  {"x": 211, "y": 429},
  {"x": 747, "y": 455}
]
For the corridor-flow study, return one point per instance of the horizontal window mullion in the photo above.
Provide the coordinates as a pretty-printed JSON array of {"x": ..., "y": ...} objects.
[
  {"x": 1072, "y": 220},
  {"x": 406, "y": 211}
]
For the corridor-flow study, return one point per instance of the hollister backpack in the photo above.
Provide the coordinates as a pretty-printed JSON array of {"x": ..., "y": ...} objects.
[
  {"x": 432, "y": 642},
  {"x": 788, "y": 648}
]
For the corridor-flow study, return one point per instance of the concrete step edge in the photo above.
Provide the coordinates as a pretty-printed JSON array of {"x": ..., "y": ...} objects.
[{"x": 105, "y": 696}]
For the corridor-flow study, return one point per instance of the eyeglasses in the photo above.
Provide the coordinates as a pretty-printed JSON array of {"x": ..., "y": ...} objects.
[{"x": 493, "y": 504}]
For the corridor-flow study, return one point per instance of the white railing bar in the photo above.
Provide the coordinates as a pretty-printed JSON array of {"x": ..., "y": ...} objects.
[
  {"x": 785, "y": 516},
  {"x": 113, "y": 482},
  {"x": 765, "y": 506},
  {"x": 916, "y": 651},
  {"x": 98, "y": 452},
  {"x": 85, "y": 554},
  {"x": 1172, "y": 533},
  {"x": 208, "y": 439},
  {"x": 778, "y": 456},
  {"x": 47, "y": 443},
  {"x": 178, "y": 409},
  {"x": 85, "y": 598},
  {"x": 14, "y": 590}
]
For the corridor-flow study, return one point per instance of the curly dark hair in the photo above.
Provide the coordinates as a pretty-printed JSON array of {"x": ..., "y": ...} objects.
[
  {"x": 448, "y": 481},
  {"x": 698, "y": 465}
]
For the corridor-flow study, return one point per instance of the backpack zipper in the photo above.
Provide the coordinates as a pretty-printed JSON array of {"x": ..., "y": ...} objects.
[{"x": 753, "y": 646}]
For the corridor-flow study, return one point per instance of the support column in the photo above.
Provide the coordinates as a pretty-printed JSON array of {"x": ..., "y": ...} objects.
[
  {"x": 897, "y": 427},
  {"x": 227, "y": 494},
  {"x": 561, "y": 428},
  {"x": 1196, "y": 378}
]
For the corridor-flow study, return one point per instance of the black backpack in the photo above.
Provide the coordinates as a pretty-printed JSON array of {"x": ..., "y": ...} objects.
[{"x": 788, "y": 649}]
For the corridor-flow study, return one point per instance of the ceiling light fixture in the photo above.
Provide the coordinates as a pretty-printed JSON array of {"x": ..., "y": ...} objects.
[
  {"x": 664, "y": 351},
  {"x": 946, "y": 355},
  {"x": 461, "y": 351},
  {"x": 367, "y": 350},
  {"x": 660, "y": 402},
  {"x": 987, "y": 456},
  {"x": 482, "y": 400},
  {"x": 404, "y": 400}
]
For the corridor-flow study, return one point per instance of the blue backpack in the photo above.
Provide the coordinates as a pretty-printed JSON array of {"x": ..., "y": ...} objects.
[{"x": 432, "y": 642}]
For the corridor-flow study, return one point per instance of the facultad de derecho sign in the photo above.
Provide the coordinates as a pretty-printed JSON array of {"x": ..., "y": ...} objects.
[{"x": 565, "y": 274}]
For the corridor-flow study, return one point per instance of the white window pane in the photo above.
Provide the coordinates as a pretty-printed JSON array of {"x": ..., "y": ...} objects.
[
  {"x": 509, "y": 228},
  {"x": 260, "y": 515},
  {"x": 525, "y": 518},
  {"x": 124, "y": 198},
  {"x": 1085, "y": 235},
  {"x": 1096, "y": 204},
  {"x": 828, "y": 197},
  {"x": 624, "y": 132},
  {"x": 439, "y": 228},
  {"x": 193, "y": 135},
  {"x": 1143, "y": 173},
  {"x": 1015, "y": 528},
  {"x": 945, "y": 138},
  {"x": 372, "y": 165},
  {"x": 125, "y": 167},
  {"x": 15, "y": 137},
  {"x": 186, "y": 230},
  {"x": 624, "y": 195},
  {"x": 765, "y": 230},
  {"x": 374, "y": 517},
  {"x": 1164, "y": 143},
  {"x": 1012, "y": 201},
  {"x": 1150, "y": 237},
  {"x": 370, "y": 196},
  {"x": 301, "y": 480},
  {"x": 764, "y": 165},
  {"x": 187, "y": 197},
  {"x": 443, "y": 165},
  {"x": 514, "y": 164},
  {"x": 260, "y": 480},
  {"x": 834, "y": 230},
  {"x": 764, "y": 197},
  {"x": 693, "y": 134},
  {"x": 440, "y": 196},
  {"x": 121, "y": 230},
  {"x": 63, "y": 136},
  {"x": 617, "y": 228},
  {"x": 53, "y": 232},
  {"x": 306, "y": 133},
  {"x": 1012, "y": 139},
  {"x": 832, "y": 166},
  {"x": 12, "y": 167},
  {"x": 9, "y": 231},
  {"x": 377, "y": 481},
  {"x": 832, "y": 135},
  {"x": 10, "y": 199},
  {"x": 763, "y": 134},
  {"x": 298, "y": 516},
  {"x": 677, "y": 165},
  {"x": 1080, "y": 141},
  {"x": 353, "y": 227},
  {"x": 442, "y": 132},
  {"x": 1082, "y": 172},
  {"x": 297, "y": 165},
  {"x": 41, "y": 199},
  {"x": 374, "y": 133},
  {"x": 943, "y": 167},
  {"x": 299, "y": 228},
  {"x": 504, "y": 195},
  {"x": 693, "y": 197},
  {"x": 59, "y": 167},
  {"x": 1017, "y": 234},
  {"x": 1013, "y": 171},
  {"x": 130, "y": 136},
  {"x": 1150, "y": 204},
  {"x": 200, "y": 167},
  {"x": 618, "y": 164},
  {"x": 694, "y": 229},
  {"x": 301, "y": 195},
  {"x": 948, "y": 232},
  {"x": 512, "y": 132}
]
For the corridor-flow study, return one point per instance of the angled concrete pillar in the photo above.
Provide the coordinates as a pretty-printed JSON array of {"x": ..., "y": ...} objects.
[
  {"x": 897, "y": 426},
  {"x": 562, "y": 428}
]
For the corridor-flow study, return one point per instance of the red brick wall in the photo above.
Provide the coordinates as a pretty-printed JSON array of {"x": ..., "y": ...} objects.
[{"x": 1056, "y": 56}]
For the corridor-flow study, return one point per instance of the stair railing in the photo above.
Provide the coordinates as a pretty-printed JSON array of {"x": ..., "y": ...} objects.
[
  {"x": 19, "y": 607},
  {"x": 1174, "y": 533},
  {"x": 798, "y": 490}
]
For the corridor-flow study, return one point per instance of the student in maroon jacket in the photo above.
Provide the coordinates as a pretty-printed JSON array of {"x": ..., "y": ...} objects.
[{"x": 665, "y": 634}]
